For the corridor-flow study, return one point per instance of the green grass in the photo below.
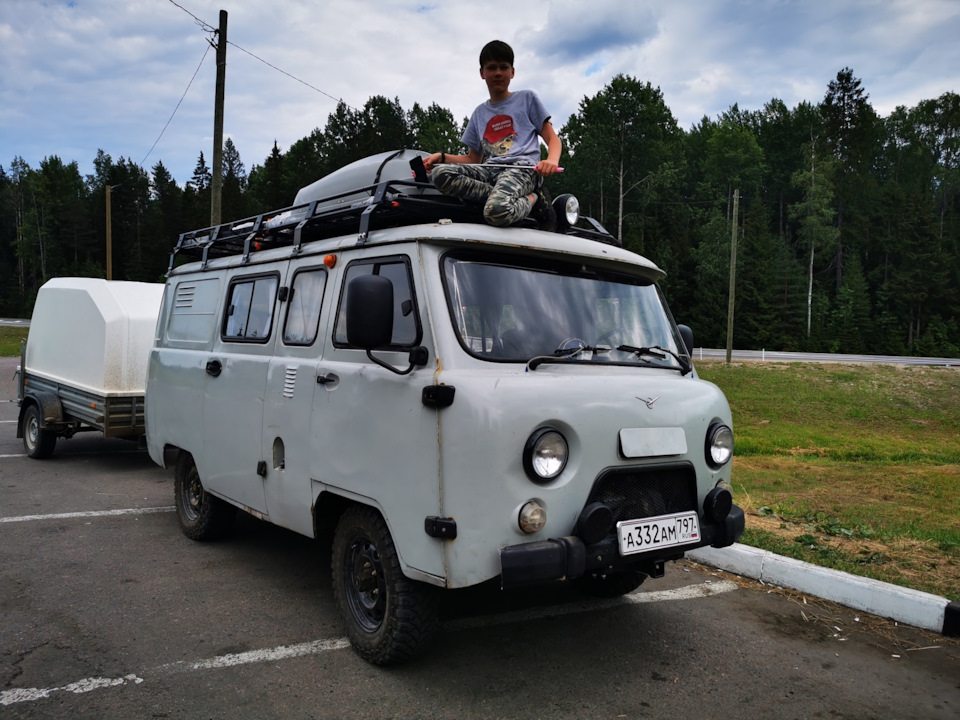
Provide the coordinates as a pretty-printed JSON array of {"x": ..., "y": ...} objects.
[
  {"x": 10, "y": 340},
  {"x": 855, "y": 467}
]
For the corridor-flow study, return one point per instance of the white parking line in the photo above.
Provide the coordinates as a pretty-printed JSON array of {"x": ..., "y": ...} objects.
[
  {"x": 317, "y": 647},
  {"x": 9, "y": 456},
  {"x": 9, "y": 697},
  {"x": 284, "y": 652},
  {"x": 88, "y": 514}
]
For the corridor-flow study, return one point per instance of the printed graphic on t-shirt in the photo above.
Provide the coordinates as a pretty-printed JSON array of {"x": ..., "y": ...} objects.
[{"x": 499, "y": 136}]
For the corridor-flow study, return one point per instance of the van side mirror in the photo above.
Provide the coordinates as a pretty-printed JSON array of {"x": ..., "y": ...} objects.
[
  {"x": 370, "y": 320},
  {"x": 369, "y": 311},
  {"x": 687, "y": 334}
]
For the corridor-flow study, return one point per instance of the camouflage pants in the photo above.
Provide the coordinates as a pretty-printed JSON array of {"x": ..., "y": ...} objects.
[{"x": 502, "y": 191}]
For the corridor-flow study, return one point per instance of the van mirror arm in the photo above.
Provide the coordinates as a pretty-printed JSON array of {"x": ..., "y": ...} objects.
[{"x": 418, "y": 358}]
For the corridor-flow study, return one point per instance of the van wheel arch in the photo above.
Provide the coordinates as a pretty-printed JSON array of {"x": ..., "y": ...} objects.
[{"x": 327, "y": 509}]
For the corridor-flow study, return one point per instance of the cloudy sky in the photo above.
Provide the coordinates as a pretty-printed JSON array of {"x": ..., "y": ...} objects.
[{"x": 80, "y": 75}]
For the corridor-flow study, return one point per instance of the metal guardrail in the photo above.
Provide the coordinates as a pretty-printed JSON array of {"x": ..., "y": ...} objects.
[{"x": 780, "y": 356}]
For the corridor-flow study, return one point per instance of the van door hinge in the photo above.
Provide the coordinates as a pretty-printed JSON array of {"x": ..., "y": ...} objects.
[
  {"x": 442, "y": 528},
  {"x": 262, "y": 468},
  {"x": 438, "y": 396}
]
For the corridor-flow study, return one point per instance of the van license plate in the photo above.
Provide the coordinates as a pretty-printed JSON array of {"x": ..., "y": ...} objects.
[{"x": 647, "y": 534}]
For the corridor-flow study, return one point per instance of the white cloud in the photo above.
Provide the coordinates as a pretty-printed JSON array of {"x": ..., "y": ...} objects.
[{"x": 107, "y": 73}]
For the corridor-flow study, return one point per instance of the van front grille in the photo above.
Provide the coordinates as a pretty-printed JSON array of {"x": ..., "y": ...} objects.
[{"x": 646, "y": 492}]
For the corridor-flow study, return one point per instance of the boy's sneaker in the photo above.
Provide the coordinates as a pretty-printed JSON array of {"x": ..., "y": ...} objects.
[{"x": 543, "y": 212}]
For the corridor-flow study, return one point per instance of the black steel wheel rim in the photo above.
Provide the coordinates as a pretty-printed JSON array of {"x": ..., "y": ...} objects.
[
  {"x": 365, "y": 584},
  {"x": 191, "y": 494}
]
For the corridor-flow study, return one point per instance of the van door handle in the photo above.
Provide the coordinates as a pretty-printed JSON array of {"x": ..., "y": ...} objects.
[
  {"x": 327, "y": 379},
  {"x": 214, "y": 368}
]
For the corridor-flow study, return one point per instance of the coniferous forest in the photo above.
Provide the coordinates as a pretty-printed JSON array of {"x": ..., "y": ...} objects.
[{"x": 848, "y": 223}]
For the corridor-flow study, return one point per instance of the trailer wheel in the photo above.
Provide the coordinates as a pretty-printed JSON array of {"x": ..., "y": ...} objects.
[
  {"x": 37, "y": 442},
  {"x": 202, "y": 516},
  {"x": 610, "y": 584},
  {"x": 389, "y": 618}
]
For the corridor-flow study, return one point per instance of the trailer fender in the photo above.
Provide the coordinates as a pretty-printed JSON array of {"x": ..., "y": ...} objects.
[{"x": 49, "y": 405}]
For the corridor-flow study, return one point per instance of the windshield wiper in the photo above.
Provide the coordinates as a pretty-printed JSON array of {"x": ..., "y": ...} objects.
[
  {"x": 658, "y": 352},
  {"x": 561, "y": 354}
]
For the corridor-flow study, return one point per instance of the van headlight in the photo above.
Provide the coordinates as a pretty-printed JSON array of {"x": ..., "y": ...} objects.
[
  {"x": 719, "y": 448},
  {"x": 545, "y": 454}
]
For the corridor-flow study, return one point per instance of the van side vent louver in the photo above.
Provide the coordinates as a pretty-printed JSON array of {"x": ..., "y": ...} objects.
[
  {"x": 289, "y": 382},
  {"x": 184, "y": 299}
]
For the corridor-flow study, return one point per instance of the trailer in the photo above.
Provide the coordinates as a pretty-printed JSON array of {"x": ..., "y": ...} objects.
[{"x": 84, "y": 366}]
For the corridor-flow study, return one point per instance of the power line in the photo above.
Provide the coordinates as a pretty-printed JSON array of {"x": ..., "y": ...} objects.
[
  {"x": 293, "y": 77},
  {"x": 201, "y": 23},
  {"x": 178, "y": 104},
  {"x": 209, "y": 28}
]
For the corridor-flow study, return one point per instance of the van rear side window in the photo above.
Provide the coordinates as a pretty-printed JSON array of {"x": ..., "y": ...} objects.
[
  {"x": 303, "y": 310},
  {"x": 250, "y": 309}
]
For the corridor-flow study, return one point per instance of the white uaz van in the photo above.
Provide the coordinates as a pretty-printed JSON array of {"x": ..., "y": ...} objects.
[{"x": 460, "y": 402}]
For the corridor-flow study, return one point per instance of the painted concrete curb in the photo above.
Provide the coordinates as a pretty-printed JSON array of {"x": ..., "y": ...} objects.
[{"x": 911, "y": 607}]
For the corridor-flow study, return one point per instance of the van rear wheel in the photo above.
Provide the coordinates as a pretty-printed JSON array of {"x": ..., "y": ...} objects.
[
  {"x": 202, "y": 516},
  {"x": 389, "y": 618},
  {"x": 37, "y": 442}
]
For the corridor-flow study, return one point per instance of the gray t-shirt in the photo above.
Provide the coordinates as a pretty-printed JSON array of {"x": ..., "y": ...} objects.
[{"x": 508, "y": 131}]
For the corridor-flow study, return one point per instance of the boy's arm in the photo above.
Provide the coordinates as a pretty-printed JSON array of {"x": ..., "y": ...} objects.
[
  {"x": 472, "y": 157},
  {"x": 554, "y": 147}
]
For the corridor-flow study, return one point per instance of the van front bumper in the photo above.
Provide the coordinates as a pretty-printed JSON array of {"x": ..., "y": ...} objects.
[{"x": 569, "y": 557}]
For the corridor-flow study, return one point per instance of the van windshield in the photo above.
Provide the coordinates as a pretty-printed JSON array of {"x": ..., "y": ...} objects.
[{"x": 515, "y": 310}]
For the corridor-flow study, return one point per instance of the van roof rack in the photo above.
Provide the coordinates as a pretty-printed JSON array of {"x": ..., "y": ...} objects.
[{"x": 384, "y": 204}]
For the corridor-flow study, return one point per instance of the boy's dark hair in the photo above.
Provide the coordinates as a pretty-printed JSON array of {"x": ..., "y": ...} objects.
[{"x": 496, "y": 50}]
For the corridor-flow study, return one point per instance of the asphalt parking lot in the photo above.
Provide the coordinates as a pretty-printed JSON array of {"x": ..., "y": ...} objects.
[{"x": 109, "y": 611}]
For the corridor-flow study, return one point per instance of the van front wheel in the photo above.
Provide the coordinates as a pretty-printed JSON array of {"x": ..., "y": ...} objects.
[
  {"x": 389, "y": 618},
  {"x": 202, "y": 516}
]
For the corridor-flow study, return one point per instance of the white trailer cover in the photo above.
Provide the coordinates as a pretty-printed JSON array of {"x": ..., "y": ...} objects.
[{"x": 94, "y": 334}]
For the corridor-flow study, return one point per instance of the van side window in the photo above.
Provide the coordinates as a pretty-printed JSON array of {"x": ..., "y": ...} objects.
[
  {"x": 406, "y": 325},
  {"x": 303, "y": 309},
  {"x": 250, "y": 309}
]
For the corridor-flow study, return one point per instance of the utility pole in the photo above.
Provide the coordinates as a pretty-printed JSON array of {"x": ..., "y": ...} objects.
[
  {"x": 733, "y": 272},
  {"x": 109, "y": 237},
  {"x": 216, "y": 183}
]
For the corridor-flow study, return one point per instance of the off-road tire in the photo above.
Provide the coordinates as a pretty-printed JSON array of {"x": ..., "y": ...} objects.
[
  {"x": 610, "y": 584},
  {"x": 37, "y": 442},
  {"x": 388, "y": 617},
  {"x": 202, "y": 516}
]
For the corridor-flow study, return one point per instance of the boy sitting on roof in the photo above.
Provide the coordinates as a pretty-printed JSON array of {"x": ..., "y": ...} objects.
[{"x": 505, "y": 130}]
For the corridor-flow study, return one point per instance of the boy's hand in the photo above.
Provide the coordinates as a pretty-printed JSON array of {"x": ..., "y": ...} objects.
[
  {"x": 545, "y": 167},
  {"x": 430, "y": 161}
]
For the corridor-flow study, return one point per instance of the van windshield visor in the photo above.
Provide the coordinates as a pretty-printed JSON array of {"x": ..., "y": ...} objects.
[{"x": 515, "y": 310}]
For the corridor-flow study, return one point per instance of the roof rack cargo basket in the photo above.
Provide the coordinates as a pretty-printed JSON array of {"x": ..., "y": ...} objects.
[{"x": 340, "y": 204}]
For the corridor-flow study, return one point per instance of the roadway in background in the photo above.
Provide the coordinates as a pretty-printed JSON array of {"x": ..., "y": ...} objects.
[{"x": 773, "y": 356}]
